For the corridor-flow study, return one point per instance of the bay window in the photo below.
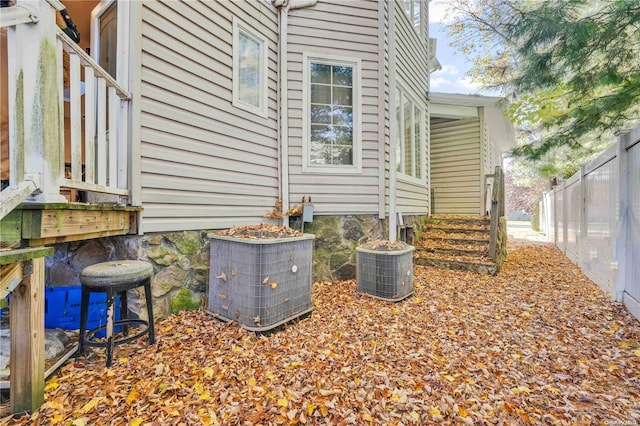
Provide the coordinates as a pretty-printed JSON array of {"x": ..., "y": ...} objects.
[{"x": 410, "y": 136}]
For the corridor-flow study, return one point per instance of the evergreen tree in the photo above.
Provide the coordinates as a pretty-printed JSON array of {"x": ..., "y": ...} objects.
[{"x": 570, "y": 67}]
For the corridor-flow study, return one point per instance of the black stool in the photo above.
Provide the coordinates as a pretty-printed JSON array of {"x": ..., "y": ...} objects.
[{"x": 115, "y": 278}]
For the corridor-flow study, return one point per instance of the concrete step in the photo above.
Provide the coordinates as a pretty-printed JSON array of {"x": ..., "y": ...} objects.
[
  {"x": 460, "y": 229},
  {"x": 457, "y": 220},
  {"x": 459, "y": 234},
  {"x": 478, "y": 252},
  {"x": 456, "y": 242},
  {"x": 456, "y": 265},
  {"x": 455, "y": 239},
  {"x": 463, "y": 257}
]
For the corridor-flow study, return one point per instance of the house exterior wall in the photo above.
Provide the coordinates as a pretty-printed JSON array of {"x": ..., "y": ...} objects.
[
  {"x": 412, "y": 75},
  {"x": 334, "y": 28},
  {"x": 455, "y": 166},
  {"x": 204, "y": 163}
]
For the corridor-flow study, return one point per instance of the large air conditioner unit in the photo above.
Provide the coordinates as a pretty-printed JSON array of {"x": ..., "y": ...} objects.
[{"x": 260, "y": 283}]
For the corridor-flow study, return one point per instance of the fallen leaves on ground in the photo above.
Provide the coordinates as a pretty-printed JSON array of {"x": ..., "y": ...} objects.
[{"x": 538, "y": 344}]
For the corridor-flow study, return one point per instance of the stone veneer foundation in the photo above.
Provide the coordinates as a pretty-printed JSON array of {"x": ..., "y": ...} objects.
[{"x": 180, "y": 263}]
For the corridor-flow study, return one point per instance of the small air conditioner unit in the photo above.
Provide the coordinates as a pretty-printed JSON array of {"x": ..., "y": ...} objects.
[{"x": 385, "y": 270}]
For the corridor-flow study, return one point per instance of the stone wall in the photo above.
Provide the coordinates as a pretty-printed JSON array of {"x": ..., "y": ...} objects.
[
  {"x": 180, "y": 262},
  {"x": 334, "y": 256},
  {"x": 337, "y": 237},
  {"x": 334, "y": 252}
]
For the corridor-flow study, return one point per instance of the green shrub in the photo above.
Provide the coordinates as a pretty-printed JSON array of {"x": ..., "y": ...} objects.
[
  {"x": 535, "y": 217},
  {"x": 183, "y": 300}
]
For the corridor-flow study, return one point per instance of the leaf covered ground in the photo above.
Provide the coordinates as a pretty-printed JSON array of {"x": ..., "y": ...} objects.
[{"x": 537, "y": 344}]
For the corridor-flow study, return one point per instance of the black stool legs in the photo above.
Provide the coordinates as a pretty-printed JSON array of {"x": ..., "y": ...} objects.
[
  {"x": 84, "y": 313},
  {"x": 115, "y": 278},
  {"x": 110, "y": 329},
  {"x": 149, "y": 299}
]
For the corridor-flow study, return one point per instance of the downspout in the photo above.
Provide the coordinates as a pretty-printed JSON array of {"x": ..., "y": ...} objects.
[
  {"x": 382, "y": 111},
  {"x": 283, "y": 151},
  {"x": 285, "y": 6},
  {"x": 393, "y": 127}
]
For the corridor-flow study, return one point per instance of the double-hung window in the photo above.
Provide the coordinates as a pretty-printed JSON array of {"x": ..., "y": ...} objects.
[
  {"x": 410, "y": 137},
  {"x": 331, "y": 109},
  {"x": 250, "y": 51}
]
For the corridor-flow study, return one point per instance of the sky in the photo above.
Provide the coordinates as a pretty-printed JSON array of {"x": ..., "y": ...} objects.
[{"x": 451, "y": 78}]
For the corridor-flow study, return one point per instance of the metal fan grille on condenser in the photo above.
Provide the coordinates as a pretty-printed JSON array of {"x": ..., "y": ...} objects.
[{"x": 386, "y": 275}]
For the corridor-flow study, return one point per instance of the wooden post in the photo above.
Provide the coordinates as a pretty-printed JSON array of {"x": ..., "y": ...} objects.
[
  {"x": 35, "y": 100},
  {"x": 497, "y": 211},
  {"x": 26, "y": 311},
  {"x": 23, "y": 277}
]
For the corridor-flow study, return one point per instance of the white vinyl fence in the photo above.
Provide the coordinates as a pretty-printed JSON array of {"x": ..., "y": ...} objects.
[{"x": 594, "y": 218}]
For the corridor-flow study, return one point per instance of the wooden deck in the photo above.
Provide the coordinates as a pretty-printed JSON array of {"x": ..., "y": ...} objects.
[{"x": 43, "y": 224}]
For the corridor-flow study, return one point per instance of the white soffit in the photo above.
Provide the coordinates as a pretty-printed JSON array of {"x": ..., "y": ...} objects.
[{"x": 460, "y": 106}]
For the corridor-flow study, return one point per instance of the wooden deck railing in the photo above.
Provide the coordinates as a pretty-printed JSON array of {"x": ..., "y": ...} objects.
[
  {"x": 98, "y": 129},
  {"x": 97, "y": 142}
]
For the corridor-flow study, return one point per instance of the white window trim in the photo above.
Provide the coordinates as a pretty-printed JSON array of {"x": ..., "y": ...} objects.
[
  {"x": 122, "y": 72},
  {"x": 400, "y": 174},
  {"x": 262, "y": 110},
  {"x": 356, "y": 63},
  {"x": 420, "y": 30}
]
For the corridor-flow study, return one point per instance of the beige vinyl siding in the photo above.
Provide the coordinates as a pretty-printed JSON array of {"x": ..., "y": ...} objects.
[
  {"x": 412, "y": 74},
  {"x": 455, "y": 167},
  {"x": 346, "y": 29},
  {"x": 204, "y": 163}
]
